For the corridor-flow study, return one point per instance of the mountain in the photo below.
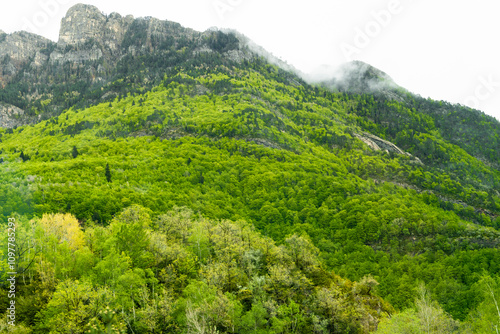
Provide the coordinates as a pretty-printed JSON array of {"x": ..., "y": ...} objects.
[
  {"x": 194, "y": 183},
  {"x": 93, "y": 59},
  {"x": 354, "y": 77}
]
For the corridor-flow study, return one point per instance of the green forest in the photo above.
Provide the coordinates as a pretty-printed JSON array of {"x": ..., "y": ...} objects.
[{"x": 225, "y": 196}]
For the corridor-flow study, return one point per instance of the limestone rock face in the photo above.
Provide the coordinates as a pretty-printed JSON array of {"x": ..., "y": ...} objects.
[
  {"x": 22, "y": 45},
  {"x": 10, "y": 116},
  {"x": 81, "y": 23},
  {"x": 85, "y": 23},
  {"x": 16, "y": 50},
  {"x": 39, "y": 60},
  {"x": 90, "y": 48},
  {"x": 77, "y": 56},
  {"x": 379, "y": 144},
  {"x": 115, "y": 29}
]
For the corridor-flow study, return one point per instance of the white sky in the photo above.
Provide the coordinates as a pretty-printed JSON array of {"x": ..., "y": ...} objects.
[{"x": 446, "y": 49}]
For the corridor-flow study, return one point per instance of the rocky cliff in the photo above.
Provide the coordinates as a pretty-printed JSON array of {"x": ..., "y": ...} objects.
[
  {"x": 81, "y": 23},
  {"x": 11, "y": 116},
  {"x": 87, "y": 56},
  {"x": 18, "y": 49}
]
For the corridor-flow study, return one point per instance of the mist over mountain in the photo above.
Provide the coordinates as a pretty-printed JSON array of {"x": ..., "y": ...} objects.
[{"x": 191, "y": 182}]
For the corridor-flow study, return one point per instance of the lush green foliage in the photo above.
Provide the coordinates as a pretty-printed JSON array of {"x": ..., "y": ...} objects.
[
  {"x": 178, "y": 273},
  {"x": 247, "y": 141}
]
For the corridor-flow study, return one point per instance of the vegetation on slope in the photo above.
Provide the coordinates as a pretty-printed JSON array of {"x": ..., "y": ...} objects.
[
  {"x": 176, "y": 272},
  {"x": 244, "y": 140}
]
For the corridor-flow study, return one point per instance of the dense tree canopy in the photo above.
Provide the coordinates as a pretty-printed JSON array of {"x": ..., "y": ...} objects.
[{"x": 291, "y": 222}]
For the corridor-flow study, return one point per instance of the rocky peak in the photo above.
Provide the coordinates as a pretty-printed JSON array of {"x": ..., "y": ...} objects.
[
  {"x": 81, "y": 23},
  {"x": 92, "y": 44}
]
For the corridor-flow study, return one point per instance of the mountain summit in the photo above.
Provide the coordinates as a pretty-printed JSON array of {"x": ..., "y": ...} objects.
[
  {"x": 357, "y": 77},
  {"x": 83, "y": 23}
]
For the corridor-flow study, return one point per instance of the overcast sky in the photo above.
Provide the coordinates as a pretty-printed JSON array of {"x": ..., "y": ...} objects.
[{"x": 446, "y": 49}]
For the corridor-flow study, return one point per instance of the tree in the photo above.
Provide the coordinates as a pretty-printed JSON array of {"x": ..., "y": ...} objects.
[
  {"x": 65, "y": 228},
  {"x": 289, "y": 319},
  {"x": 131, "y": 230},
  {"x": 108, "y": 173},
  {"x": 486, "y": 317},
  {"x": 24, "y": 157},
  {"x": 74, "y": 152},
  {"x": 76, "y": 307},
  {"x": 255, "y": 320},
  {"x": 427, "y": 317}
]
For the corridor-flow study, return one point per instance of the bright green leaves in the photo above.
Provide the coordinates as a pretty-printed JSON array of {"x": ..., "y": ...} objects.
[
  {"x": 427, "y": 317},
  {"x": 486, "y": 318},
  {"x": 290, "y": 318},
  {"x": 76, "y": 306},
  {"x": 204, "y": 308},
  {"x": 178, "y": 272},
  {"x": 131, "y": 231},
  {"x": 255, "y": 320}
]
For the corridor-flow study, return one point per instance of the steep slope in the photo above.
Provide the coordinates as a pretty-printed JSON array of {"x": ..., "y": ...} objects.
[
  {"x": 234, "y": 141},
  {"x": 472, "y": 130},
  {"x": 93, "y": 52},
  {"x": 19, "y": 49}
]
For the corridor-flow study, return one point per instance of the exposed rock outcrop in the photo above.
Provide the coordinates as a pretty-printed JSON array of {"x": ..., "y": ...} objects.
[
  {"x": 92, "y": 42},
  {"x": 93, "y": 51},
  {"x": 10, "y": 116},
  {"x": 16, "y": 50},
  {"x": 81, "y": 23},
  {"x": 21, "y": 46},
  {"x": 379, "y": 144},
  {"x": 78, "y": 56}
]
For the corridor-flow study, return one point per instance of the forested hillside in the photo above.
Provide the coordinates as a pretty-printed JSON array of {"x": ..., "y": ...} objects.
[{"x": 201, "y": 189}]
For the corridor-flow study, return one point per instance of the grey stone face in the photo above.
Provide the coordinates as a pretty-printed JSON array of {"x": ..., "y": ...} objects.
[
  {"x": 90, "y": 43},
  {"x": 21, "y": 46},
  {"x": 10, "y": 116},
  {"x": 81, "y": 23}
]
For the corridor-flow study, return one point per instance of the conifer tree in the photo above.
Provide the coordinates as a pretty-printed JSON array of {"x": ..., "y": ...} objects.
[
  {"x": 24, "y": 157},
  {"x": 74, "y": 153},
  {"x": 108, "y": 173}
]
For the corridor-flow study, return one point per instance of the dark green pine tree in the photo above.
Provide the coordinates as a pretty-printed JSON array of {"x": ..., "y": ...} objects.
[
  {"x": 24, "y": 157},
  {"x": 108, "y": 173},
  {"x": 74, "y": 153}
]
